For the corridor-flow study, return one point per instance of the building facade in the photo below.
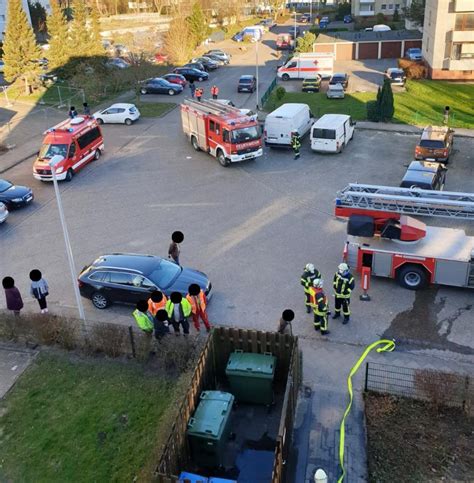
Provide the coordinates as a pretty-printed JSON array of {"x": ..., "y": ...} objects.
[
  {"x": 4, "y": 11},
  {"x": 370, "y": 8},
  {"x": 448, "y": 39}
]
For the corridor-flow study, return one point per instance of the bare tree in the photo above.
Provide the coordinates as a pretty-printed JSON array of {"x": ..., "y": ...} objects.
[{"x": 179, "y": 41}]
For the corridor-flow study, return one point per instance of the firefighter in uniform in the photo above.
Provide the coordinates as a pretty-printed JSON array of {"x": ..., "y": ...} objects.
[
  {"x": 343, "y": 286},
  {"x": 309, "y": 274},
  {"x": 320, "y": 305},
  {"x": 198, "y": 93},
  {"x": 214, "y": 91},
  {"x": 296, "y": 144}
]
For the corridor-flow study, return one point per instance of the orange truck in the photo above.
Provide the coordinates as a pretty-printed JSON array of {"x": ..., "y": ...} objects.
[{"x": 221, "y": 131}]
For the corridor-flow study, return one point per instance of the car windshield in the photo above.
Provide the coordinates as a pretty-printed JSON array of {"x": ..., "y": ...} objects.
[
  {"x": 164, "y": 274},
  {"x": 338, "y": 78},
  {"x": 245, "y": 134},
  {"x": 4, "y": 185},
  {"x": 396, "y": 75},
  {"x": 50, "y": 150},
  {"x": 432, "y": 144}
]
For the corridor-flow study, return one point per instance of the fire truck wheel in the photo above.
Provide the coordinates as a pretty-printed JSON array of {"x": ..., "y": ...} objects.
[
  {"x": 69, "y": 174},
  {"x": 195, "y": 144},
  {"x": 285, "y": 77},
  {"x": 97, "y": 154},
  {"x": 222, "y": 159},
  {"x": 412, "y": 277}
]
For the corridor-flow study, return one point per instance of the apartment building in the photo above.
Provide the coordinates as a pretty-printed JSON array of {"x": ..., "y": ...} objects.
[
  {"x": 448, "y": 39},
  {"x": 370, "y": 8},
  {"x": 4, "y": 11}
]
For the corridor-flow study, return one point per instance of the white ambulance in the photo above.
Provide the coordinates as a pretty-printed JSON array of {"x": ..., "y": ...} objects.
[{"x": 306, "y": 65}]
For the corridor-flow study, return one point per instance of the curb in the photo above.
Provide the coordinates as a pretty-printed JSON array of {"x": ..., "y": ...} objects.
[
  {"x": 17, "y": 162},
  {"x": 415, "y": 130}
]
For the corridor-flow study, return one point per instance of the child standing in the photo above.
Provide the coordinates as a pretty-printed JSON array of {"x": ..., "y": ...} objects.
[
  {"x": 39, "y": 289},
  {"x": 13, "y": 296}
]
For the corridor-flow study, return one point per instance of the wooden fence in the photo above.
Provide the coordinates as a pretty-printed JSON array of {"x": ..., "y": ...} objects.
[{"x": 210, "y": 369}]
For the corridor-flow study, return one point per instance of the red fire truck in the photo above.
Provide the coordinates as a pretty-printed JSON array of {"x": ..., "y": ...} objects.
[
  {"x": 221, "y": 130},
  {"x": 383, "y": 238}
]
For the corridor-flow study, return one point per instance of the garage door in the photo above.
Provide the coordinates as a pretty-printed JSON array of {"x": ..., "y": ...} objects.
[
  {"x": 412, "y": 44},
  {"x": 391, "y": 50},
  {"x": 345, "y": 51},
  {"x": 368, "y": 50}
]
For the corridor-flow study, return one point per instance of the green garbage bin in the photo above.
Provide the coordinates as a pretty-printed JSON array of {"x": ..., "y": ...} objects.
[
  {"x": 209, "y": 428},
  {"x": 251, "y": 376}
]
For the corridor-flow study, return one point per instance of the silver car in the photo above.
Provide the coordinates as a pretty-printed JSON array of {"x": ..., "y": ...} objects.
[
  {"x": 335, "y": 91},
  {"x": 3, "y": 213}
]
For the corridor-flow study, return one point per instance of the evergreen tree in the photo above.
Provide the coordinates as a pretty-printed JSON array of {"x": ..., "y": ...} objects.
[
  {"x": 80, "y": 35},
  {"x": 386, "y": 107},
  {"x": 95, "y": 46},
  {"x": 197, "y": 23},
  {"x": 20, "y": 50},
  {"x": 60, "y": 49}
]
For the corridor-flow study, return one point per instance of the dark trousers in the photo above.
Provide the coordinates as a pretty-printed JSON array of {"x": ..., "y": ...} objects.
[
  {"x": 214, "y": 96},
  {"x": 297, "y": 152},
  {"x": 176, "y": 259},
  {"x": 199, "y": 98},
  {"x": 342, "y": 303},
  {"x": 42, "y": 303},
  {"x": 176, "y": 325}
]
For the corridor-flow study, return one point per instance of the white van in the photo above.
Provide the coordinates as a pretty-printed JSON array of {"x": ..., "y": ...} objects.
[
  {"x": 304, "y": 65},
  {"x": 381, "y": 28},
  {"x": 287, "y": 119},
  {"x": 331, "y": 133}
]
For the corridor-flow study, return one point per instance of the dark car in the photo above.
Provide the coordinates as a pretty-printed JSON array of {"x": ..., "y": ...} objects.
[
  {"x": 175, "y": 79},
  {"x": 305, "y": 18},
  {"x": 339, "y": 78},
  {"x": 218, "y": 54},
  {"x": 207, "y": 63},
  {"x": 396, "y": 76},
  {"x": 14, "y": 196},
  {"x": 195, "y": 65},
  {"x": 435, "y": 144},
  {"x": 160, "y": 86},
  {"x": 348, "y": 19},
  {"x": 247, "y": 83},
  {"x": 128, "y": 278},
  {"x": 191, "y": 74},
  {"x": 218, "y": 60},
  {"x": 424, "y": 175}
]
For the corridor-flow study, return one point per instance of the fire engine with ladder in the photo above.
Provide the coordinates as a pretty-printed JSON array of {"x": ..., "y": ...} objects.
[
  {"x": 221, "y": 130},
  {"x": 383, "y": 238}
]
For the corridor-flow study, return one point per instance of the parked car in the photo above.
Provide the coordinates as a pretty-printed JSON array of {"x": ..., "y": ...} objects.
[
  {"x": 118, "y": 63},
  {"x": 195, "y": 65},
  {"x": 396, "y": 76},
  {"x": 311, "y": 84},
  {"x": 340, "y": 78},
  {"x": 160, "y": 58},
  {"x": 218, "y": 60},
  {"x": 176, "y": 79},
  {"x": 381, "y": 28},
  {"x": 243, "y": 111},
  {"x": 2, "y": 66},
  {"x": 324, "y": 22},
  {"x": 13, "y": 196},
  {"x": 218, "y": 53},
  {"x": 3, "y": 213},
  {"x": 158, "y": 85},
  {"x": 436, "y": 144},
  {"x": 335, "y": 91},
  {"x": 120, "y": 113},
  {"x": 207, "y": 63},
  {"x": 305, "y": 18},
  {"x": 414, "y": 54},
  {"x": 247, "y": 83},
  {"x": 425, "y": 175},
  {"x": 192, "y": 74},
  {"x": 269, "y": 23},
  {"x": 128, "y": 278},
  {"x": 348, "y": 19}
]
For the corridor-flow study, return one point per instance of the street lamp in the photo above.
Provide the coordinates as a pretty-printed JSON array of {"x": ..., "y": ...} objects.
[
  {"x": 256, "y": 71},
  {"x": 55, "y": 160}
]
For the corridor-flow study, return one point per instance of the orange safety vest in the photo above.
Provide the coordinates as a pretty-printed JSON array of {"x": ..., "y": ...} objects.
[
  {"x": 199, "y": 92},
  {"x": 153, "y": 307},
  {"x": 200, "y": 303},
  {"x": 313, "y": 291},
  {"x": 214, "y": 90}
]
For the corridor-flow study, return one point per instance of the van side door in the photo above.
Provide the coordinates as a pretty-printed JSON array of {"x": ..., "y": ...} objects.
[{"x": 215, "y": 135}]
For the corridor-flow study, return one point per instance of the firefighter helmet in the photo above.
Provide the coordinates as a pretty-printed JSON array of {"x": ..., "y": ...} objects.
[
  {"x": 310, "y": 267},
  {"x": 343, "y": 268},
  {"x": 318, "y": 283}
]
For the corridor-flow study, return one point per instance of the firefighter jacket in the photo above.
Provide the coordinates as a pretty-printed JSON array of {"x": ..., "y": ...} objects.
[
  {"x": 198, "y": 302},
  {"x": 295, "y": 142},
  {"x": 319, "y": 301},
  {"x": 153, "y": 307},
  {"x": 308, "y": 278},
  {"x": 343, "y": 285},
  {"x": 184, "y": 312},
  {"x": 214, "y": 90},
  {"x": 144, "y": 320}
]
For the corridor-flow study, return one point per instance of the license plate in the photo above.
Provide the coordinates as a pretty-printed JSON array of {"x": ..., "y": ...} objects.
[
  {"x": 29, "y": 199},
  {"x": 430, "y": 159}
]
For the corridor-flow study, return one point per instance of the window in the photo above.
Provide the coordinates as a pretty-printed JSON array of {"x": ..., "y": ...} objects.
[
  {"x": 218, "y": 128},
  {"x": 212, "y": 125},
  {"x": 72, "y": 150},
  {"x": 390, "y": 6},
  {"x": 464, "y": 21},
  {"x": 384, "y": 6},
  {"x": 324, "y": 134},
  {"x": 50, "y": 150},
  {"x": 463, "y": 51},
  {"x": 119, "y": 278},
  {"x": 289, "y": 66},
  {"x": 88, "y": 137},
  {"x": 397, "y": 6},
  {"x": 119, "y": 111},
  {"x": 225, "y": 136},
  {"x": 97, "y": 276}
]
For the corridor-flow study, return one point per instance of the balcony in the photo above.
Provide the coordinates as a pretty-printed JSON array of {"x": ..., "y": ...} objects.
[
  {"x": 462, "y": 35},
  {"x": 366, "y": 13},
  {"x": 463, "y": 6},
  {"x": 462, "y": 64}
]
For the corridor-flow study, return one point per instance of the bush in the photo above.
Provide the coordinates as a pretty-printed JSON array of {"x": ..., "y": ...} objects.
[
  {"x": 413, "y": 70},
  {"x": 396, "y": 16},
  {"x": 280, "y": 92},
  {"x": 342, "y": 10},
  {"x": 380, "y": 17},
  {"x": 373, "y": 111}
]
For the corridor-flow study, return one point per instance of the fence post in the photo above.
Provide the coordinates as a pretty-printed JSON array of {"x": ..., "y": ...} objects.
[
  {"x": 465, "y": 400},
  {"x": 366, "y": 376},
  {"x": 132, "y": 341},
  {"x": 60, "y": 98}
]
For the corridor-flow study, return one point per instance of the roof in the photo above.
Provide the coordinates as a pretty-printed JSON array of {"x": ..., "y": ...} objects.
[
  {"x": 363, "y": 36},
  {"x": 122, "y": 105},
  {"x": 418, "y": 176},
  {"x": 288, "y": 110},
  {"x": 424, "y": 166},
  {"x": 140, "y": 263},
  {"x": 71, "y": 125},
  {"x": 328, "y": 120}
]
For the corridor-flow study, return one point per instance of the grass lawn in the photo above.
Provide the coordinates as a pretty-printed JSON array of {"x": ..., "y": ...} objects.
[
  {"x": 81, "y": 421},
  {"x": 154, "y": 109},
  {"x": 422, "y": 104}
]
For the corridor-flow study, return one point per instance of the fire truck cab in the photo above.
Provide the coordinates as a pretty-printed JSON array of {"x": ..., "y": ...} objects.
[
  {"x": 79, "y": 141},
  {"x": 221, "y": 130}
]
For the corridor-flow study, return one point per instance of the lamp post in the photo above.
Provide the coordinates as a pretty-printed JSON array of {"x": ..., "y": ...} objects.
[
  {"x": 55, "y": 160},
  {"x": 295, "y": 25},
  {"x": 256, "y": 72}
]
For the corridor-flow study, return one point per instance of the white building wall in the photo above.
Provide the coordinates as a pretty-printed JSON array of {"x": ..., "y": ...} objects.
[{"x": 4, "y": 9}]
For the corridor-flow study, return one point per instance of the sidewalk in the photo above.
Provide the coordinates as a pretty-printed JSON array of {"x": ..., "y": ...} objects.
[
  {"x": 407, "y": 128},
  {"x": 324, "y": 399}
]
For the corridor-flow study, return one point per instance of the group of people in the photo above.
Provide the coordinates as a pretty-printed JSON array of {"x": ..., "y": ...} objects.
[
  {"x": 158, "y": 313},
  {"x": 316, "y": 300},
  {"x": 85, "y": 110},
  {"x": 38, "y": 289},
  {"x": 197, "y": 92}
]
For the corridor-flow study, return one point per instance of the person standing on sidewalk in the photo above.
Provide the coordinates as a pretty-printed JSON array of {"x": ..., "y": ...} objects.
[
  {"x": 177, "y": 237},
  {"x": 343, "y": 284},
  {"x": 214, "y": 92},
  {"x": 192, "y": 87},
  {"x": 199, "y": 92},
  {"x": 13, "y": 296},
  {"x": 197, "y": 298},
  {"x": 39, "y": 289},
  {"x": 86, "y": 109}
]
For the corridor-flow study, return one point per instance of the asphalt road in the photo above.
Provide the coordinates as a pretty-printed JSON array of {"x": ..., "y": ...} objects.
[{"x": 251, "y": 227}]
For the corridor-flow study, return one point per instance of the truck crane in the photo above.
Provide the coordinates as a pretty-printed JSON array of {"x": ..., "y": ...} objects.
[{"x": 382, "y": 237}]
